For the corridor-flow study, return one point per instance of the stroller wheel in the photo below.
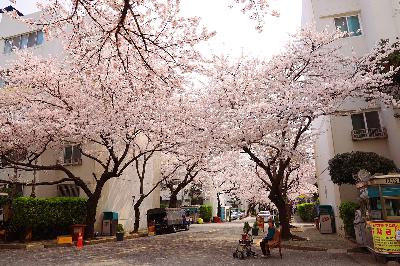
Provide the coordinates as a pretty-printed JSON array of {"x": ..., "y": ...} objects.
[{"x": 235, "y": 255}]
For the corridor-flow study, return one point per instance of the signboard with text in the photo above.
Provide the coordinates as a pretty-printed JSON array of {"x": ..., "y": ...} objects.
[{"x": 385, "y": 236}]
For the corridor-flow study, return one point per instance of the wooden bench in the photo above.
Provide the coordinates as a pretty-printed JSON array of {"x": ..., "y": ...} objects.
[{"x": 276, "y": 242}]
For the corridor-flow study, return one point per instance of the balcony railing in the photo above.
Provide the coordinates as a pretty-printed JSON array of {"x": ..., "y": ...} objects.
[{"x": 369, "y": 133}]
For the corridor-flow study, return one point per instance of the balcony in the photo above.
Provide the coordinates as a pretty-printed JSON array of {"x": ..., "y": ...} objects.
[{"x": 369, "y": 133}]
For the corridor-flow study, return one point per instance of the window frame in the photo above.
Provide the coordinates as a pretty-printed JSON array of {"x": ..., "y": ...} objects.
[
  {"x": 9, "y": 49},
  {"x": 365, "y": 119},
  {"x": 348, "y": 33},
  {"x": 71, "y": 160},
  {"x": 384, "y": 210}
]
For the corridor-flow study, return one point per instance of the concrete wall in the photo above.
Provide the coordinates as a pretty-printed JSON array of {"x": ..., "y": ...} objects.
[
  {"x": 329, "y": 193},
  {"x": 119, "y": 192},
  {"x": 378, "y": 20},
  {"x": 392, "y": 125}
]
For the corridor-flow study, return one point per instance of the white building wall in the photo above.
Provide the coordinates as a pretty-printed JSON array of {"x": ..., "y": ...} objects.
[
  {"x": 392, "y": 125},
  {"x": 324, "y": 150},
  {"x": 9, "y": 27},
  {"x": 378, "y": 20}
]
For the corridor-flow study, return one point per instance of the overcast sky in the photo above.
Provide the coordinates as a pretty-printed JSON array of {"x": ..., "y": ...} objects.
[{"x": 235, "y": 31}]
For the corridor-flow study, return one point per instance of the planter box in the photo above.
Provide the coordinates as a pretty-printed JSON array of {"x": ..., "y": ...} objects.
[
  {"x": 120, "y": 236},
  {"x": 254, "y": 231},
  {"x": 64, "y": 240}
]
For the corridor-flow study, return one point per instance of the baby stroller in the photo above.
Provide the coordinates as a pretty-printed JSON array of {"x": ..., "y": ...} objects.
[{"x": 243, "y": 249}]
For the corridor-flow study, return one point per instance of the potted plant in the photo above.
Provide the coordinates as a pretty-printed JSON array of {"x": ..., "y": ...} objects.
[
  {"x": 120, "y": 232},
  {"x": 254, "y": 230},
  {"x": 246, "y": 229}
]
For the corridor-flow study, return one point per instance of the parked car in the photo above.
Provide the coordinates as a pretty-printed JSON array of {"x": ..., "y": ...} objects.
[
  {"x": 167, "y": 219},
  {"x": 237, "y": 215}
]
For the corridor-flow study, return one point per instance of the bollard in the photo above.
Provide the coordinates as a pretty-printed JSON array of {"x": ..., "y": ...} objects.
[{"x": 79, "y": 243}]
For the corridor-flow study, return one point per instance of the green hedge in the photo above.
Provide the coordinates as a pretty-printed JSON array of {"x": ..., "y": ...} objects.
[
  {"x": 347, "y": 212},
  {"x": 307, "y": 211},
  {"x": 48, "y": 217},
  {"x": 205, "y": 212}
]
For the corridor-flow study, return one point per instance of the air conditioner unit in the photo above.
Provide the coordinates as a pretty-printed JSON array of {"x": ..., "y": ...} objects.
[{"x": 68, "y": 190}]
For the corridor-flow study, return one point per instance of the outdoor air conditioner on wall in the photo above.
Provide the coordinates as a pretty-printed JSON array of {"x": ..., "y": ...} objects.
[{"x": 67, "y": 190}]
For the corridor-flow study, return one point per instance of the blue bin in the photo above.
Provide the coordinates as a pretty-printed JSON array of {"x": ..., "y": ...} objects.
[{"x": 110, "y": 216}]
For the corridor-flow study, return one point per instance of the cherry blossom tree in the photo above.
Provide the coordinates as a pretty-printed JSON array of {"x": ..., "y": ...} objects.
[
  {"x": 50, "y": 102},
  {"x": 123, "y": 60},
  {"x": 266, "y": 108},
  {"x": 150, "y": 149},
  {"x": 104, "y": 29},
  {"x": 178, "y": 172},
  {"x": 151, "y": 32}
]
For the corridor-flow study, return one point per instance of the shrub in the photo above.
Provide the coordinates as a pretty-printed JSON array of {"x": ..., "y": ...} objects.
[
  {"x": 255, "y": 225},
  {"x": 120, "y": 228},
  {"x": 343, "y": 166},
  {"x": 246, "y": 227},
  {"x": 307, "y": 211},
  {"x": 205, "y": 212},
  {"x": 346, "y": 213},
  {"x": 48, "y": 217}
]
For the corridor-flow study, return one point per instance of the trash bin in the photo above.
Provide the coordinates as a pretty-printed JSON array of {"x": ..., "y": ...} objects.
[
  {"x": 110, "y": 223},
  {"x": 326, "y": 219},
  {"x": 216, "y": 219}
]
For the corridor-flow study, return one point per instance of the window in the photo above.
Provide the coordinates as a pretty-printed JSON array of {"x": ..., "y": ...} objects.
[
  {"x": 367, "y": 125},
  {"x": 365, "y": 120},
  {"x": 72, "y": 154},
  {"x": 8, "y": 46},
  {"x": 16, "y": 42},
  {"x": 24, "y": 41},
  {"x": 32, "y": 39},
  {"x": 2, "y": 83},
  {"x": 349, "y": 24}
]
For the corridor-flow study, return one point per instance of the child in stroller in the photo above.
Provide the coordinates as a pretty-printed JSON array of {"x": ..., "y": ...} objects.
[{"x": 243, "y": 249}]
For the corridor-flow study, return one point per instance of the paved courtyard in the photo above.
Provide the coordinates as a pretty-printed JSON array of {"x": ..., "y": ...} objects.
[{"x": 207, "y": 244}]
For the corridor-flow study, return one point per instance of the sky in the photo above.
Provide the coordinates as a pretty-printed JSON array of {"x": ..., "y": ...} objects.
[{"x": 236, "y": 33}]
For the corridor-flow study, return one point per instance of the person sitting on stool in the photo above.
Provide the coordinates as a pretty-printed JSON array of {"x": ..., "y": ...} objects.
[{"x": 268, "y": 236}]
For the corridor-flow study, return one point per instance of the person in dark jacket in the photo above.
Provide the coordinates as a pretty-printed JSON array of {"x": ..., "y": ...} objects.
[{"x": 268, "y": 236}]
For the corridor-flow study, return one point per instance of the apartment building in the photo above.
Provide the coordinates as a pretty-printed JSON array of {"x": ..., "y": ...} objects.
[
  {"x": 357, "y": 125},
  {"x": 118, "y": 193}
]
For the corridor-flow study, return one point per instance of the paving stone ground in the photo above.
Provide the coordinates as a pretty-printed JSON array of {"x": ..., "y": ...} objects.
[{"x": 207, "y": 244}]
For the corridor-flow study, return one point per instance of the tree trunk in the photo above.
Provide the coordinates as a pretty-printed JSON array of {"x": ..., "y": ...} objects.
[
  {"x": 219, "y": 206},
  {"x": 277, "y": 198},
  {"x": 173, "y": 201},
  {"x": 91, "y": 209},
  {"x": 251, "y": 208},
  {"x": 136, "y": 208}
]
